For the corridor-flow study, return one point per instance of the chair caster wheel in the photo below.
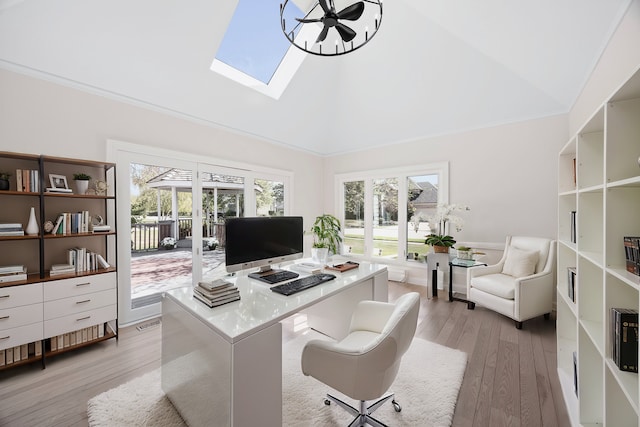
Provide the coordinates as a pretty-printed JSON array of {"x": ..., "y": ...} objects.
[
  {"x": 327, "y": 402},
  {"x": 396, "y": 406}
]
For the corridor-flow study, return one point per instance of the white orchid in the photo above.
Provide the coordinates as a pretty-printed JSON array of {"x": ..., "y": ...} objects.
[{"x": 444, "y": 217}]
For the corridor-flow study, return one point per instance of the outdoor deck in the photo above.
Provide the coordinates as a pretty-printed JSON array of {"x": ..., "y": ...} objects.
[{"x": 156, "y": 271}]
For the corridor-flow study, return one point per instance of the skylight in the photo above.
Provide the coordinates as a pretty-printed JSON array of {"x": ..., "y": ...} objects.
[{"x": 254, "y": 52}]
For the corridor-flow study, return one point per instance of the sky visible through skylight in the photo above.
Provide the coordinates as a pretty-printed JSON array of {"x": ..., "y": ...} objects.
[{"x": 254, "y": 43}]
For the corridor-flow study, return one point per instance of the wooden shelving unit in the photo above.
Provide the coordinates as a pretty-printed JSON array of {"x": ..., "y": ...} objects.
[
  {"x": 599, "y": 180},
  {"x": 62, "y": 304}
]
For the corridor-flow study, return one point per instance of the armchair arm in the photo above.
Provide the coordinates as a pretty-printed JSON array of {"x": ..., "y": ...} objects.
[{"x": 534, "y": 295}]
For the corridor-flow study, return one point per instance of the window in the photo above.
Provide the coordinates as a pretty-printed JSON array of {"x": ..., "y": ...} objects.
[
  {"x": 254, "y": 52},
  {"x": 385, "y": 212}
]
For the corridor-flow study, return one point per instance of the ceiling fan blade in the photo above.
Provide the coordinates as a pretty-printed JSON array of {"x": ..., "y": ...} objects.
[
  {"x": 352, "y": 12},
  {"x": 346, "y": 33},
  {"x": 307, "y": 21},
  {"x": 324, "y": 6},
  {"x": 323, "y": 34}
]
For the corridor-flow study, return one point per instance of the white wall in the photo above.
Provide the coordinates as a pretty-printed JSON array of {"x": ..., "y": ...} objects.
[
  {"x": 40, "y": 117},
  {"x": 506, "y": 174},
  {"x": 619, "y": 61}
]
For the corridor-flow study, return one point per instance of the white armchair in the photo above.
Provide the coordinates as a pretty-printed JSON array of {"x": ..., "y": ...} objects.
[
  {"x": 364, "y": 364},
  {"x": 521, "y": 284}
]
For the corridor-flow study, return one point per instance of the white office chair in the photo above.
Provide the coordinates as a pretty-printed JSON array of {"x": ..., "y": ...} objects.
[
  {"x": 365, "y": 363},
  {"x": 521, "y": 284}
]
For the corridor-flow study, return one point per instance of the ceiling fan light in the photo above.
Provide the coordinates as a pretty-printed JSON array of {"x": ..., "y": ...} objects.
[{"x": 323, "y": 18}]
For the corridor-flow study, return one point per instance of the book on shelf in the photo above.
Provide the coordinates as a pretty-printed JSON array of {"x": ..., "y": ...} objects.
[
  {"x": 572, "y": 224},
  {"x": 58, "y": 190},
  {"x": 624, "y": 334},
  {"x": 6, "y": 232},
  {"x": 571, "y": 282},
  {"x": 13, "y": 275},
  {"x": 11, "y": 269},
  {"x": 100, "y": 228},
  {"x": 10, "y": 226},
  {"x": 632, "y": 254},
  {"x": 27, "y": 180}
]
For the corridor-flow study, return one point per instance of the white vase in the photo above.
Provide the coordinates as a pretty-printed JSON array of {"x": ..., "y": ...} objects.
[
  {"x": 319, "y": 255},
  {"x": 82, "y": 185},
  {"x": 32, "y": 226}
]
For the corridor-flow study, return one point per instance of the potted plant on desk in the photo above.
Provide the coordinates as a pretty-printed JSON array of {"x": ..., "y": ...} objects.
[{"x": 326, "y": 237}]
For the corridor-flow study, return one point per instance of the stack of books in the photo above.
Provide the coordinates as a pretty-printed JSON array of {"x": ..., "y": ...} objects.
[
  {"x": 62, "y": 269},
  {"x": 11, "y": 229},
  {"x": 215, "y": 293},
  {"x": 12, "y": 273}
]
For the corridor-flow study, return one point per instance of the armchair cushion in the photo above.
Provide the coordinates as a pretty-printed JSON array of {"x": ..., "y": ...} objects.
[
  {"x": 519, "y": 262},
  {"x": 500, "y": 285}
]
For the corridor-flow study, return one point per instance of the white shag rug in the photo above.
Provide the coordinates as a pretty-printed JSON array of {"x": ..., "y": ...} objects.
[{"x": 426, "y": 387}]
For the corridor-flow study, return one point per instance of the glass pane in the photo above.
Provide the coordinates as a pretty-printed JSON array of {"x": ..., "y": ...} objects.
[
  {"x": 161, "y": 230},
  {"x": 353, "y": 226},
  {"x": 422, "y": 201},
  {"x": 222, "y": 197},
  {"x": 385, "y": 218},
  {"x": 254, "y": 43},
  {"x": 269, "y": 198}
]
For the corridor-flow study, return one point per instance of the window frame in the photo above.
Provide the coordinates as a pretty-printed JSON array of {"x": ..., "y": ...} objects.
[{"x": 401, "y": 174}]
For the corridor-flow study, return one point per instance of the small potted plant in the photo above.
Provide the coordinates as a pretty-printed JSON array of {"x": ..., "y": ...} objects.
[
  {"x": 4, "y": 180},
  {"x": 82, "y": 182},
  {"x": 326, "y": 237},
  {"x": 465, "y": 252},
  {"x": 440, "y": 243}
]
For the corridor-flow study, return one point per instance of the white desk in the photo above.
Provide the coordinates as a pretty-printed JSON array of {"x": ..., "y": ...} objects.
[{"x": 222, "y": 366}]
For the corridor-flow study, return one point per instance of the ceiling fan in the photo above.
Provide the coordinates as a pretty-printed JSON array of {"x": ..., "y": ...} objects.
[{"x": 331, "y": 18}]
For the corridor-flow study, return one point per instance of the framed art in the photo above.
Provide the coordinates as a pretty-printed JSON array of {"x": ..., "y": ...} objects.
[{"x": 58, "y": 182}]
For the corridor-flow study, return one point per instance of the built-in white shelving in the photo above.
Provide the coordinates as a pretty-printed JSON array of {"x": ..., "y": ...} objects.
[{"x": 599, "y": 180}]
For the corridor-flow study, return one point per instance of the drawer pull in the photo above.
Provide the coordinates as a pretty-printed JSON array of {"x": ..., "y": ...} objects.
[
  {"x": 83, "y": 301},
  {"x": 83, "y": 284},
  {"x": 5, "y": 338},
  {"x": 5, "y": 296},
  {"x": 83, "y": 318},
  {"x": 4, "y": 317}
]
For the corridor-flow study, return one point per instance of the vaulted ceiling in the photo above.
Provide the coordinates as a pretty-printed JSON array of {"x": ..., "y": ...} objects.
[{"x": 435, "y": 67}]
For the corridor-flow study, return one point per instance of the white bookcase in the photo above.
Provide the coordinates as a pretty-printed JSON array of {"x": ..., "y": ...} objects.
[{"x": 599, "y": 180}]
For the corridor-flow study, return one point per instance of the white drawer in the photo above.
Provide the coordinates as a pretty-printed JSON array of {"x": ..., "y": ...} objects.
[
  {"x": 15, "y": 296},
  {"x": 20, "y": 316},
  {"x": 77, "y": 321},
  {"x": 65, "y": 288},
  {"x": 20, "y": 335},
  {"x": 78, "y": 303}
]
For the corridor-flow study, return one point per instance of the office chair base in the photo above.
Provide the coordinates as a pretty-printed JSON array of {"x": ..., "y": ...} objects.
[{"x": 363, "y": 416}]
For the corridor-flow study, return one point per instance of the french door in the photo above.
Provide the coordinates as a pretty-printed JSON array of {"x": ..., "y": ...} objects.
[{"x": 176, "y": 206}]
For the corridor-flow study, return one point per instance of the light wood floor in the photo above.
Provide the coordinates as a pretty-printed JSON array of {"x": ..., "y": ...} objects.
[{"x": 510, "y": 379}]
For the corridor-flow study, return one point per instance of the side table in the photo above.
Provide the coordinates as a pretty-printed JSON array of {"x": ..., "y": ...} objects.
[{"x": 462, "y": 263}]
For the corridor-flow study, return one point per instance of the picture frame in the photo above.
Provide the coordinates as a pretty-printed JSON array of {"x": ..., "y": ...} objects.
[{"x": 58, "y": 182}]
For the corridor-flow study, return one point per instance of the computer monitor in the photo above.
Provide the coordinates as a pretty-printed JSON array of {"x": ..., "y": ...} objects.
[{"x": 259, "y": 242}]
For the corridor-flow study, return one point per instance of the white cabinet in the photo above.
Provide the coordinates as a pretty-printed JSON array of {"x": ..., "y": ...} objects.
[
  {"x": 20, "y": 315},
  {"x": 598, "y": 205}
]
